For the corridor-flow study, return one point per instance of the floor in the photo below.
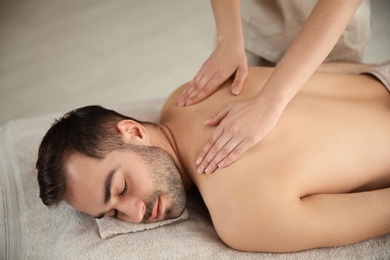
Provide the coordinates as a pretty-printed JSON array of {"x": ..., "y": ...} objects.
[{"x": 58, "y": 55}]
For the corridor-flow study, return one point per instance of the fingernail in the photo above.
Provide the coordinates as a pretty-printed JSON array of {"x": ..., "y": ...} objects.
[
  {"x": 198, "y": 160},
  {"x": 207, "y": 121},
  {"x": 208, "y": 169},
  {"x": 220, "y": 165},
  {"x": 235, "y": 91},
  {"x": 180, "y": 103},
  {"x": 200, "y": 169},
  {"x": 189, "y": 102}
]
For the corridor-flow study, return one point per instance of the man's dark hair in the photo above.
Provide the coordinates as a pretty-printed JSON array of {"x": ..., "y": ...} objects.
[{"x": 91, "y": 131}]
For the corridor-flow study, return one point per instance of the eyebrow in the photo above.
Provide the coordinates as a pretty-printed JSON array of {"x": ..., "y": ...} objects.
[{"x": 107, "y": 188}]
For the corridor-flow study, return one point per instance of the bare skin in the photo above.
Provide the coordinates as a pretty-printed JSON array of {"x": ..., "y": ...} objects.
[
  {"x": 332, "y": 140},
  {"x": 317, "y": 37},
  {"x": 320, "y": 178}
]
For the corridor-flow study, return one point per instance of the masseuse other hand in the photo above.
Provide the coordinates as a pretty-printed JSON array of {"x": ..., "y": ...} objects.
[
  {"x": 228, "y": 58},
  {"x": 240, "y": 126}
]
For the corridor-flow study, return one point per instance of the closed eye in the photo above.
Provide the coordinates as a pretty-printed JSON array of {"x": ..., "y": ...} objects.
[
  {"x": 124, "y": 190},
  {"x": 120, "y": 194}
]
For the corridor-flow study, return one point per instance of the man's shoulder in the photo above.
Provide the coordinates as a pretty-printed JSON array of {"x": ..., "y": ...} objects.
[
  {"x": 218, "y": 100},
  {"x": 170, "y": 109}
]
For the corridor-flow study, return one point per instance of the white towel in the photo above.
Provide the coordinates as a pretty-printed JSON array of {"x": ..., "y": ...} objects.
[{"x": 110, "y": 227}]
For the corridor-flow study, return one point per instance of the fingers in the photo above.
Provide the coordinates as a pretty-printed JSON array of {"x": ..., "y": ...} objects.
[
  {"x": 241, "y": 74},
  {"x": 227, "y": 58},
  {"x": 203, "y": 85},
  {"x": 216, "y": 156},
  {"x": 223, "y": 147},
  {"x": 233, "y": 155},
  {"x": 200, "y": 88},
  {"x": 211, "y": 148},
  {"x": 215, "y": 120},
  {"x": 222, "y": 154},
  {"x": 213, "y": 145}
]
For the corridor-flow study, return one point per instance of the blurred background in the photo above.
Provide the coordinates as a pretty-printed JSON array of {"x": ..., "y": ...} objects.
[{"x": 58, "y": 55}]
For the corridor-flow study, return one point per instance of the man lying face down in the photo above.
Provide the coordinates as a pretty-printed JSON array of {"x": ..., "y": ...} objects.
[{"x": 320, "y": 178}]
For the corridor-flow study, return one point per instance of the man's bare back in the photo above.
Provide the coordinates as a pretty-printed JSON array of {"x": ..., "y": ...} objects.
[{"x": 294, "y": 190}]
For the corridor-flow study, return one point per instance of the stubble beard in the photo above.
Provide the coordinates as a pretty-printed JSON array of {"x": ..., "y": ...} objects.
[{"x": 166, "y": 178}]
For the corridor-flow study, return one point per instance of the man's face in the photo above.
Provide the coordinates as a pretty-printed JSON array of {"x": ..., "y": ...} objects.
[{"x": 126, "y": 185}]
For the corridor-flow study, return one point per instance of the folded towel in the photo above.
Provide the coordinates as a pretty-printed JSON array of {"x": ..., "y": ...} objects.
[{"x": 110, "y": 227}]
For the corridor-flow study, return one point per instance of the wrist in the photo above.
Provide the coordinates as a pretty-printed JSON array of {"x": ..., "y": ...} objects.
[
  {"x": 232, "y": 40},
  {"x": 276, "y": 100}
]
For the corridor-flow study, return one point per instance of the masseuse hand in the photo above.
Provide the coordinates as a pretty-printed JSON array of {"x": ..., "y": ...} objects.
[
  {"x": 243, "y": 124},
  {"x": 227, "y": 58},
  {"x": 240, "y": 126}
]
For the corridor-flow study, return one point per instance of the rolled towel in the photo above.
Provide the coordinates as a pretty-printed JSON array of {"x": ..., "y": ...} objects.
[{"x": 110, "y": 227}]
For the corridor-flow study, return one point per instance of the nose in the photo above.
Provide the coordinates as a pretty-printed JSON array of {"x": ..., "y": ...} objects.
[{"x": 131, "y": 210}]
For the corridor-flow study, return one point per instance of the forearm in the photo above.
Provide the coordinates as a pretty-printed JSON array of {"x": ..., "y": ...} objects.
[
  {"x": 228, "y": 20},
  {"x": 313, "y": 43}
]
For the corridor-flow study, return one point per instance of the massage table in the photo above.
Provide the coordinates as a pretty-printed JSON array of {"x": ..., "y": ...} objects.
[{"x": 30, "y": 230}]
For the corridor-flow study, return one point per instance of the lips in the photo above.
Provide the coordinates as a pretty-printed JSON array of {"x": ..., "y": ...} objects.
[{"x": 158, "y": 211}]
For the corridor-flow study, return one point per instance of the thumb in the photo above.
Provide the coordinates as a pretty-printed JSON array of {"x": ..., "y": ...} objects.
[
  {"x": 239, "y": 79},
  {"x": 215, "y": 120}
]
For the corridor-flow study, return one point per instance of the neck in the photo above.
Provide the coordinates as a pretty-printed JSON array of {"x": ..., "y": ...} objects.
[{"x": 162, "y": 137}]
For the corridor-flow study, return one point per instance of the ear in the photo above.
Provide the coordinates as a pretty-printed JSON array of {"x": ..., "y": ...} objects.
[{"x": 133, "y": 132}]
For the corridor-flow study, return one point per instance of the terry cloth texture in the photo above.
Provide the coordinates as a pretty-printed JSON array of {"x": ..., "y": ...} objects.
[{"x": 109, "y": 227}]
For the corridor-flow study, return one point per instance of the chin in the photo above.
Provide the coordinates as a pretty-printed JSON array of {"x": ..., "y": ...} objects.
[
  {"x": 172, "y": 215},
  {"x": 173, "y": 209}
]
